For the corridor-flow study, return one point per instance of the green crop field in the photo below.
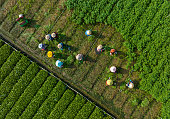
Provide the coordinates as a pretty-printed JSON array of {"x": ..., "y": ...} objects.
[
  {"x": 138, "y": 30},
  {"x": 27, "y": 92}
]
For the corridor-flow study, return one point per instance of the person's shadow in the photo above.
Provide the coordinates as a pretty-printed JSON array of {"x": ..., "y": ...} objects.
[
  {"x": 32, "y": 24},
  {"x": 90, "y": 59},
  {"x": 62, "y": 38}
]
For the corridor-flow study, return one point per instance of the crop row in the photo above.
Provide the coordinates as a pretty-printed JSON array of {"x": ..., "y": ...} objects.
[
  {"x": 74, "y": 107},
  {"x": 27, "y": 96},
  {"x": 51, "y": 100},
  {"x": 39, "y": 98},
  {"x": 85, "y": 111},
  {"x": 18, "y": 89},
  {"x": 5, "y": 51},
  {"x": 62, "y": 104},
  {"x": 97, "y": 114},
  {"x": 8, "y": 66},
  {"x": 12, "y": 78}
]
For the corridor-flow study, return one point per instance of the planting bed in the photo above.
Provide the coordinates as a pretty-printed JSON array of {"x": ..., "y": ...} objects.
[
  {"x": 29, "y": 92},
  {"x": 89, "y": 76}
]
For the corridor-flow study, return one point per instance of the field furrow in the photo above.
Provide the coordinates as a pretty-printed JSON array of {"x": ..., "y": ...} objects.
[{"x": 7, "y": 9}]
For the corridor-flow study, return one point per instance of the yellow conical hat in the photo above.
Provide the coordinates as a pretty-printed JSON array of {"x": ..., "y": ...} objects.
[
  {"x": 50, "y": 54},
  {"x": 109, "y": 82}
]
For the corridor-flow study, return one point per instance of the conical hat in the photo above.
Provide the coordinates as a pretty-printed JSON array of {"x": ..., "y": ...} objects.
[
  {"x": 113, "y": 69},
  {"x": 59, "y": 63},
  {"x": 53, "y": 35},
  {"x": 21, "y": 15},
  {"x": 109, "y": 82},
  {"x": 99, "y": 47},
  {"x": 47, "y": 37},
  {"x": 79, "y": 57},
  {"x": 131, "y": 85},
  {"x": 112, "y": 50},
  {"x": 40, "y": 45},
  {"x": 50, "y": 54},
  {"x": 59, "y": 46},
  {"x": 88, "y": 32}
]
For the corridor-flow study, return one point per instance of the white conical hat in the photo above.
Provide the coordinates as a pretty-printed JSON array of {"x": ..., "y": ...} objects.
[
  {"x": 59, "y": 63},
  {"x": 53, "y": 34},
  {"x": 113, "y": 69},
  {"x": 59, "y": 46},
  {"x": 21, "y": 15},
  {"x": 40, "y": 45},
  {"x": 47, "y": 37},
  {"x": 131, "y": 85},
  {"x": 79, "y": 57},
  {"x": 109, "y": 82},
  {"x": 88, "y": 32},
  {"x": 99, "y": 47}
]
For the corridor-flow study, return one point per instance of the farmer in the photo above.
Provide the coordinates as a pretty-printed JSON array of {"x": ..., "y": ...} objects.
[
  {"x": 42, "y": 46},
  {"x": 88, "y": 33},
  {"x": 61, "y": 46},
  {"x": 113, "y": 51},
  {"x": 59, "y": 64},
  {"x": 54, "y": 35},
  {"x": 79, "y": 57},
  {"x": 48, "y": 37},
  {"x": 50, "y": 54},
  {"x": 109, "y": 82},
  {"x": 99, "y": 49},
  {"x": 21, "y": 20},
  {"x": 130, "y": 84},
  {"x": 113, "y": 69}
]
